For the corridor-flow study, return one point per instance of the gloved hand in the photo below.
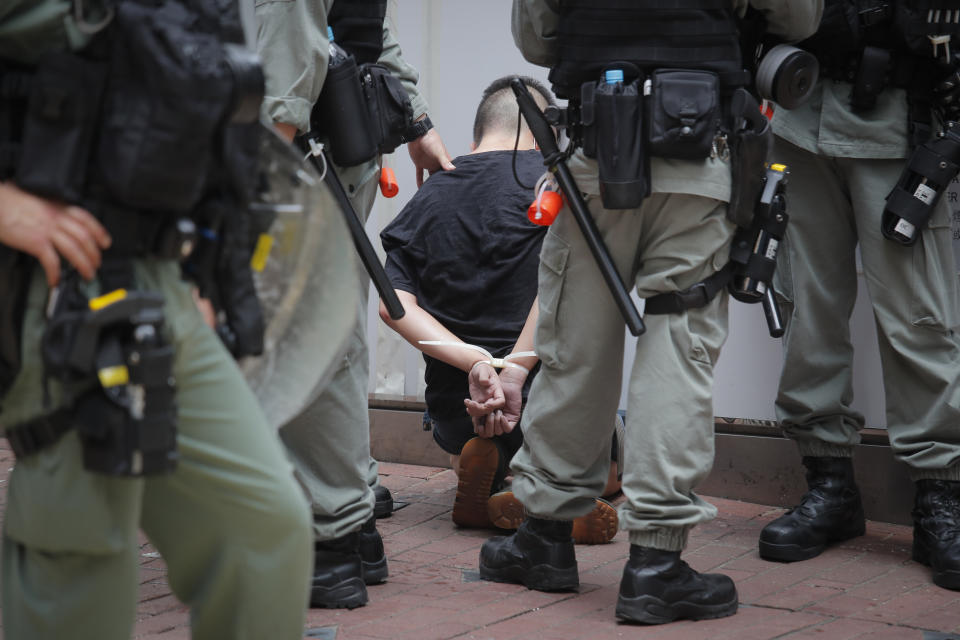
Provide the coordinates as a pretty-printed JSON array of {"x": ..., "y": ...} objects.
[{"x": 946, "y": 93}]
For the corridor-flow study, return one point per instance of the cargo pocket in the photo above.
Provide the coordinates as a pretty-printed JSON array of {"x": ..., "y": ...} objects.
[
  {"x": 553, "y": 266},
  {"x": 54, "y": 505},
  {"x": 935, "y": 287}
]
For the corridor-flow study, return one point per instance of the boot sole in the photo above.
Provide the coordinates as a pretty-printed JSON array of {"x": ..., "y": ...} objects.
[
  {"x": 375, "y": 572},
  {"x": 652, "y": 610},
  {"x": 795, "y": 553},
  {"x": 597, "y": 527},
  {"x": 944, "y": 579},
  {"x": 349, "y": 594},
  {"x": 540, "y": 578},
  {"x": 478, "y": 466}
]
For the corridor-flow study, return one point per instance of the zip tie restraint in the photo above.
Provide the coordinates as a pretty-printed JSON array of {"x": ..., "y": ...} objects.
[
  {"x": 497, "y": 363},
  {"x": 316, "y": 150}
]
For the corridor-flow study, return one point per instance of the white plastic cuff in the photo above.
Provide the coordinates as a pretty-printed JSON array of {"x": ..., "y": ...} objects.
[{"x": 498, "y": 363}]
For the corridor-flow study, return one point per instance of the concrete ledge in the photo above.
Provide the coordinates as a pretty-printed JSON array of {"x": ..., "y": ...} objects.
[{"x": 753, "y": 461}]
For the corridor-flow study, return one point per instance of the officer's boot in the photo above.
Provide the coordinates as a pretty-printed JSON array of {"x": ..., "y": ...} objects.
[
  {"x": 539, "y": 555},
  {"x": 383, "y": 502},
  {"x": 659, "y": 587},
  {"x": 338, "y": 574},
  {"x": 371, "y": 553},
  {"x": 829, "y": 512},
  {"x": 936, "y": 530}
]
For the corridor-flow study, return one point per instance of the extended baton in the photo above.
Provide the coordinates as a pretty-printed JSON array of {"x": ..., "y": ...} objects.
[
  {"x": 554, "y": 161},
  {"x": 368, "y": 254}
]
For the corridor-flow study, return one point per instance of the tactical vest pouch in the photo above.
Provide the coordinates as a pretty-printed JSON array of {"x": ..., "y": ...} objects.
[
  {"x": 750, "y": 142},
  {"x": 59, "y": 127},
  {"x": 340, "y": 114},
  {"x": 388, "y": 104},
  {"x": 683, "y": 113},
  {"x": 170, "y": 90},
  {"x": 612, "y": 119}
]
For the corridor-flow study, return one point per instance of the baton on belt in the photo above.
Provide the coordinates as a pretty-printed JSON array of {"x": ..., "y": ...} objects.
[
  {"x": 368, "y": 254},
  {"x": 555, "y": 162}
]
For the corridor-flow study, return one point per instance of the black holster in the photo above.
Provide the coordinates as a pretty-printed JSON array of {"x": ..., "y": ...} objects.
[
  {"x": 15, "y": 272},
  {"x": 118, "y": 366},
  {"x": 750, "y": 141}
]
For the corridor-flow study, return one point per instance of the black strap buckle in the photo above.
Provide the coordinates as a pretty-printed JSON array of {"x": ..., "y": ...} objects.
[{"x": 39, "y": 433}]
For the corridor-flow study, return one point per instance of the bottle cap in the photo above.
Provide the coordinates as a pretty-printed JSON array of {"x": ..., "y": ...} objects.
[
  {"x": 544, "y": 209},
  {"x": 388, "y": 183},
  {"x": 613, "y": 76}
]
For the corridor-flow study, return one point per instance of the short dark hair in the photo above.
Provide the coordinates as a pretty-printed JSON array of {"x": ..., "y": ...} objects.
[{"x": 498, "y": 107}]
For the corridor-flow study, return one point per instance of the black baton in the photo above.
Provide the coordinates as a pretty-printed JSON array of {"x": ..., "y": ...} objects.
[
  {"x": 368, "y": 254},
  {"x": 772, "y": 312},
  {"x": 554, "y": 161}
]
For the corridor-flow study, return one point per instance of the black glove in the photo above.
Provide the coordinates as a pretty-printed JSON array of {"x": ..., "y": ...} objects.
[{"x": 946, "y": 93}]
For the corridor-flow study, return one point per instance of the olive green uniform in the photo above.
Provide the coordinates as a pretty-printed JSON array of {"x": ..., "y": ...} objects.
[
  {"x": 842, "y": 166},
  {"x": 229, "y": 521},
  {"x": 330, "y": 441},
  {"x": 679, "y": 236}
]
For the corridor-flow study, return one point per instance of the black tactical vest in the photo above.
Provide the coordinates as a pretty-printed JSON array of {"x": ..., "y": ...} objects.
[
  {"x": 905, "y": 28},
  {"x": 358, "y": 27},
  {"x": 651, "y": 34}
]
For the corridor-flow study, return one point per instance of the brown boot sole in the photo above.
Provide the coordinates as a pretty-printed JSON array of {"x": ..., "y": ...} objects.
[
  {"x": 597, "y": 527},
  {"x": 478, "y": 466}
]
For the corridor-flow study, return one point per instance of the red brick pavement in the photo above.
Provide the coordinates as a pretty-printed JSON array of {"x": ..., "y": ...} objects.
[{"x": 866, "y": 588}]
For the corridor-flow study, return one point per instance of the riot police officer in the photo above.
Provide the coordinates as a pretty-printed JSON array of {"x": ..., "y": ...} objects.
[
  {"x": 330, "y": 440},
  {"x": 885, "y": 97},
  {"x": 665, "y": 222},
  {"x": 124, "y": 410}
]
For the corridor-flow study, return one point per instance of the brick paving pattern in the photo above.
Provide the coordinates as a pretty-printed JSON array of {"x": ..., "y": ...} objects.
[{"x": 866, "y": 588}]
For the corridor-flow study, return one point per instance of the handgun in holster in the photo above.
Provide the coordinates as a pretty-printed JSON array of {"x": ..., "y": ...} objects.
[{"x": 113, "y": 348}]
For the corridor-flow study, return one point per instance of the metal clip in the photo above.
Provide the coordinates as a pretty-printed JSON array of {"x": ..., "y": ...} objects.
[
  {"x": 936, "y": 41},
  {"x": 720, "y": 148}
]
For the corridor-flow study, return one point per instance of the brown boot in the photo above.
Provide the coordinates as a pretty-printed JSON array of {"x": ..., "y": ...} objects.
[
  {"x": 481, "y": 467},
  {"x": 597, "y": 527}
]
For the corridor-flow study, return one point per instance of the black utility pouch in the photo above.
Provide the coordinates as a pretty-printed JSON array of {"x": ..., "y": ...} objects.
[
  {"x": 612, "y": 119},
  {"x": 342, "y": 116},
  {"x": 60, "y": 126},
  {"x": 683, "y": 113},
  {"x": 169, "y": 92},
  {"x": 750, "y": 143},
  {"x": 388, "y": 104}
]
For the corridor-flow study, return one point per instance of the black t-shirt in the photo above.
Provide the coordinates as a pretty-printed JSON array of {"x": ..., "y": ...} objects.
[{"x": 464, "y": 247}]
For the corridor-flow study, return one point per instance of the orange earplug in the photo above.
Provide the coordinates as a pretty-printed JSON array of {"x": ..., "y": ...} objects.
[
  {"x": 388, "y": 183},
  {"x": 545, "y": 208}
]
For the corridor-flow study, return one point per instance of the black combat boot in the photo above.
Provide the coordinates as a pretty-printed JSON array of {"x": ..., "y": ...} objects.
[
  {"x": 383, "y": 505},
  {"x": 829, "y": 512},
  {"x": 338, "y": 574},
  {"x": 659, "y": 587},
  {"x": 936, "y": 530},
  {"x": 371, "y": 553},
  {"x": 538, "y": 555}
]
